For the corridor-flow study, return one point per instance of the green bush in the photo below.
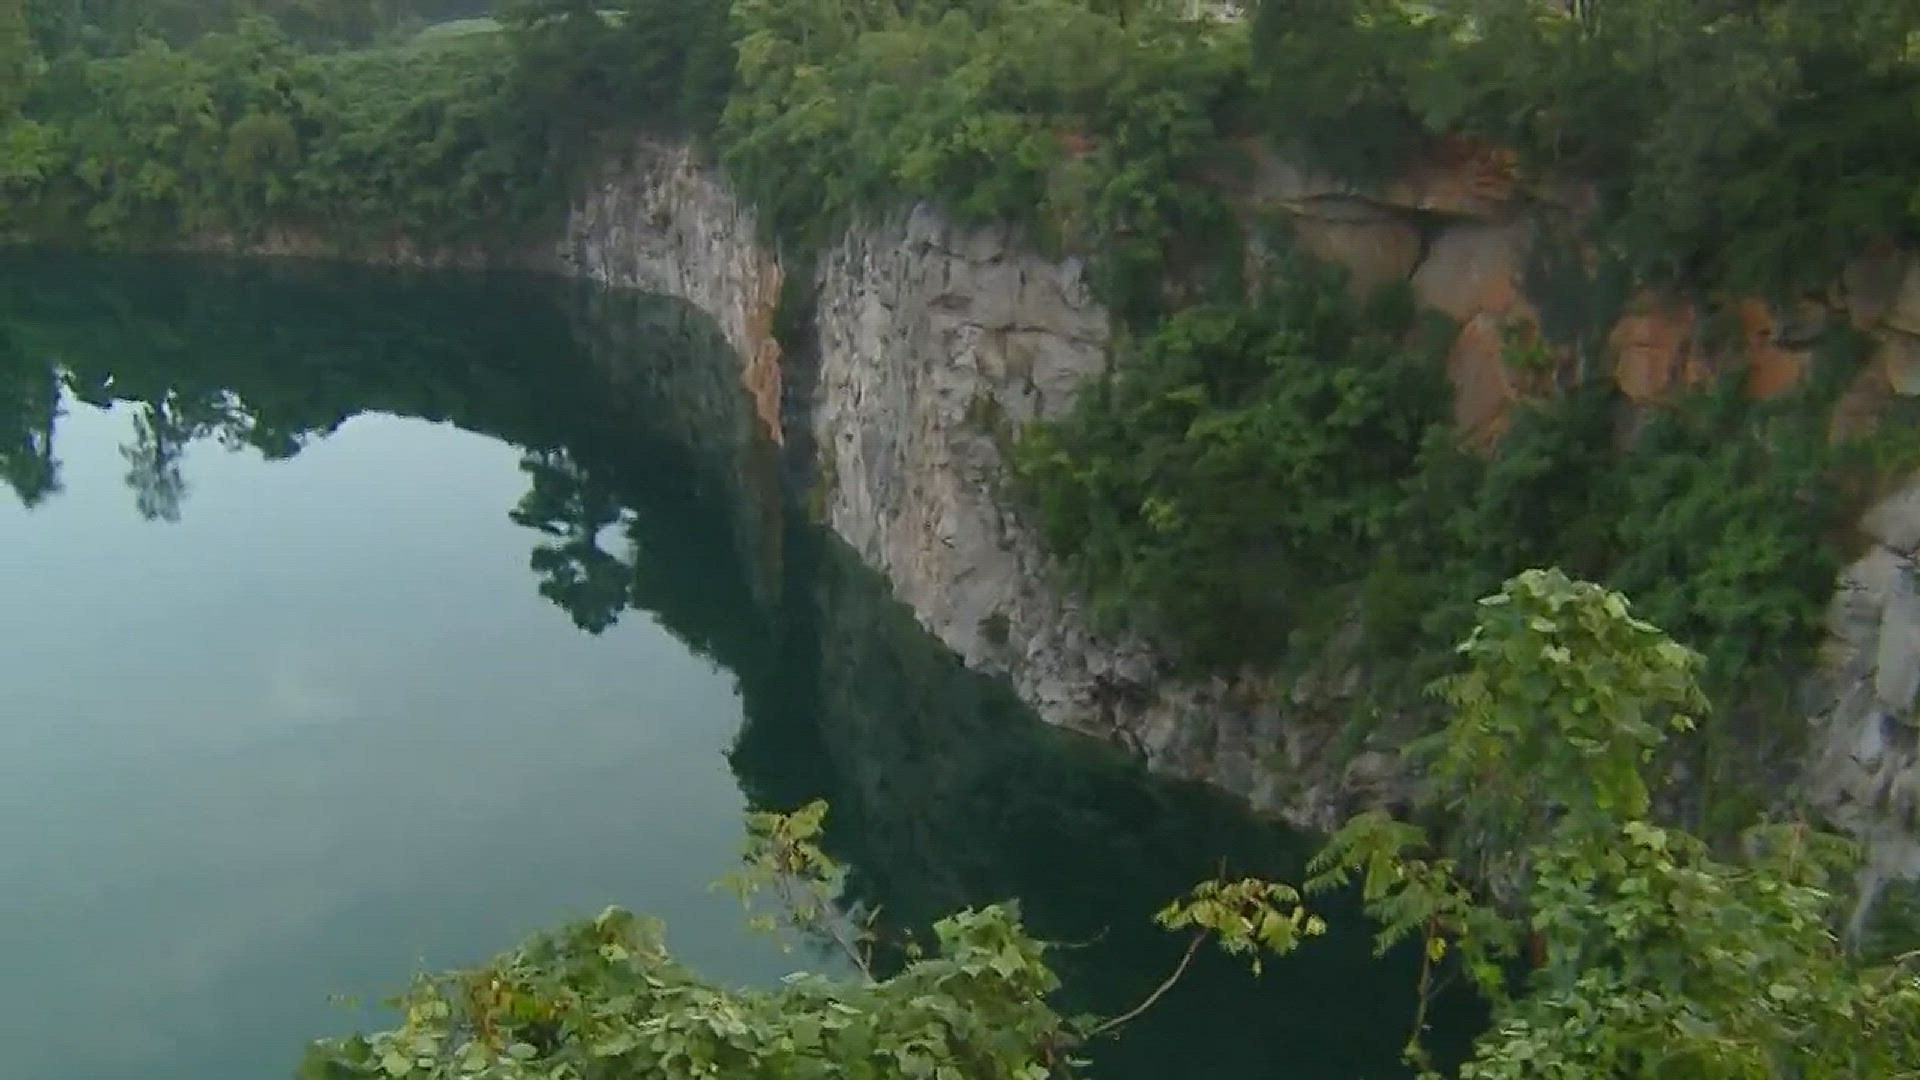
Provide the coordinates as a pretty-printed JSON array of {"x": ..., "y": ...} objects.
[{"x": 1241, "y": 457}]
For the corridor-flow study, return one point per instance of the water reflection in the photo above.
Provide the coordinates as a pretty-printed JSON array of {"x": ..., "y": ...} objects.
[
  {"x": 647, "y": 490},
  {"x": 269, "y": 359}
]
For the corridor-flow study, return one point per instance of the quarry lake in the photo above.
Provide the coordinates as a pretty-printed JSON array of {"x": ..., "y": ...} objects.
[{"x": 356, "y": 623}]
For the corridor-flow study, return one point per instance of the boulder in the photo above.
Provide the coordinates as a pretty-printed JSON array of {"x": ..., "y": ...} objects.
[
  {"x": 1771, "y": 367},
  {"x": 1651, "y": 345},
  {"x": 1896, "y": 679},
  {"x": 1475, "y": 268},
  {"x": 1895, "y": 521},
  {"x": 1898, "y": 360},
  {"x": 1870, "y": 284},
  {"x": 1483, "y": 384},
  {"x": 1376, "y": 245},
  {"x": 1904, "y": 311},
  {"x": 1460, "y": 177}
]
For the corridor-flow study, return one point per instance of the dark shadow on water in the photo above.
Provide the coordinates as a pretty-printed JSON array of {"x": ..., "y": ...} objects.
[{"x": 946, "y": 793}]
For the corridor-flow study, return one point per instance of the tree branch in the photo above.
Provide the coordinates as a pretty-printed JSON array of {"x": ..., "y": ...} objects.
[{"x": 1158, "y": 992}]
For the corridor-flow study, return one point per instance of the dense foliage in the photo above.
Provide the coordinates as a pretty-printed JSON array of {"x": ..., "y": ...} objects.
[
  {"x": 1719, "y": 512},
  {"x": 1243, "y": 457},
  {"x": 1753, "y": 146},
  {"x": 1744, "y": 145},
  {"x": 463, "y": 131},
  {"x": 1748, "y": 145}
]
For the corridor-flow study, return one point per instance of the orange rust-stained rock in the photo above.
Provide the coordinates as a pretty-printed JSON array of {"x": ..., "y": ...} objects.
[
  {"x": 1483, "y": 385},
  {"x": 762, "y": 374},
  {"x": 1651, "y": 345},
  {"x": 1657, "y": 352},
  {"x": 1474, "y": 268},
  {"x": 1459, "y": 175},
  {"x": 1770, "y": 368}
]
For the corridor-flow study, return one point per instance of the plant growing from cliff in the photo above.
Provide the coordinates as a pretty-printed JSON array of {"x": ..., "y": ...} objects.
[
  {"x": 1240, "y": 457},
  {"x": 1646, "y": 955}
]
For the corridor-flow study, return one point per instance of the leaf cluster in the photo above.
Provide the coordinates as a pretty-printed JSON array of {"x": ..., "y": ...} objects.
[
  {"x": 1249, "y": 917},
  {"x": 602, "y": 999}
]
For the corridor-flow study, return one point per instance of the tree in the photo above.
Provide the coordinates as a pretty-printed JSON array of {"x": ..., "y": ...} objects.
[
  {"x": 573, "y": 509},
  {"x": 29, "y": 409},
  {"x": 18, "y": 60},
  {"x": 160, "y": 440},
  {"x": 1648, "y": 954}
]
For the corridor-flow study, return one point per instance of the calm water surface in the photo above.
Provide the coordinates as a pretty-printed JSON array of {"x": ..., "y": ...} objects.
[{"x": 351, "y": 623}]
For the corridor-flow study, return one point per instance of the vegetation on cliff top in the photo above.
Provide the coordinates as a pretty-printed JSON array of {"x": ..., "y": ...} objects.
[
  {"x": 1746, "y": 145},
  {"x": 1605, "y": 945},
  {"x": 157, "y": 134}
]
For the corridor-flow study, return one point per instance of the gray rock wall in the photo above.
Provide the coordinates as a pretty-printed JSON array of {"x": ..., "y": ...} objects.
[
  {"x": 1865, "y": 771},
  {"x": 936, "y": 345},
  {"x": 657, "y": 218}
]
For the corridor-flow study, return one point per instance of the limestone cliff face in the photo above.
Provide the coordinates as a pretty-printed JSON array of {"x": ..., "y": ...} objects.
[
  {"x": 1865, "y": 773},
  {"x": 658, "y": 219}
]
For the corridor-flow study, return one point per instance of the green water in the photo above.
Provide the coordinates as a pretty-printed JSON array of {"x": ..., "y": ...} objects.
[{"x": 351, "y": 622}]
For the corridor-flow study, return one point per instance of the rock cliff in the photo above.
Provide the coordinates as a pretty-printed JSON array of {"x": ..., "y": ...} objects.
[
  {"x": 1865, "y": 700},
  {"x": 935, "y": 343}
]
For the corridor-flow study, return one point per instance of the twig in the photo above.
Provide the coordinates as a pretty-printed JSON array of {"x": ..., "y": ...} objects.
[
  {"x": 828, "y": 922},
  {"x": 1158, "y": 992},
  {"x": 1087, "y": 944},
  {"x": 1416, "y": 1053}
]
